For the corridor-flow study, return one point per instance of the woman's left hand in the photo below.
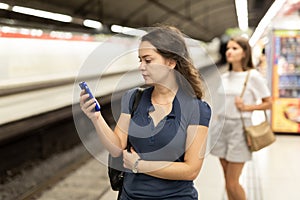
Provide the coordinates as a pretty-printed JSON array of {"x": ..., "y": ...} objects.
[
  {"x": 239, "y": 103},
  {"x": 129, "y": 158}
]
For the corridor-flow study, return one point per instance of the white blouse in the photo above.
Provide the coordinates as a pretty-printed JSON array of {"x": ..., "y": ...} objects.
[{"x": 232, "y": 86}]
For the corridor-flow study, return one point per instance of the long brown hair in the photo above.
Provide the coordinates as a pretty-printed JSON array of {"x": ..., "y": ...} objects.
[
  {"x": 169, "y": 43},
  {"x": 247, "y": 60}
]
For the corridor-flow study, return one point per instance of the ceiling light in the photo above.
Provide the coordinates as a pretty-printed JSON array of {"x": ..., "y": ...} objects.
[
  {"x": 92, "y": 24},
  {"x": 127, "y": 30},
  {"x": 7, "y": 29},
  {"x": 61, "y": 35},
  {"x": 43, "y": 14},
  {"x": 24, "y": 31},
  {"x": 116, "y": 28},
  {"x": 242, "y": 14},
  {"x": 36, "y": 32},
  {"x": 4, "y": 6}
]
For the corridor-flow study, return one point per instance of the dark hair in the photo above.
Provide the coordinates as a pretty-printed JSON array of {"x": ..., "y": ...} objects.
[
  {"x": 169, "y": 43},
  {"x": 247, "y": 60}
]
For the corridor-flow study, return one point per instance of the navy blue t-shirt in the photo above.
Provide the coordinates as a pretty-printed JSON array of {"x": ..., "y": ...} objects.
[{"x": 163, "y": 142}]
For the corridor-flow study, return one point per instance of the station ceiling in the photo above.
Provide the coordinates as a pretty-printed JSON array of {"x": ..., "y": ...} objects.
[{"x": 199, "y": 19}]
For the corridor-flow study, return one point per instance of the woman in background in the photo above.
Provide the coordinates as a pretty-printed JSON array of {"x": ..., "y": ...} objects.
[{"x": 231, "y": 147}]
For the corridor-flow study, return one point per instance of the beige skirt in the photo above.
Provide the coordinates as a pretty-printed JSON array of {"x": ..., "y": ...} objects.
[{"x": 227, "y": 140}]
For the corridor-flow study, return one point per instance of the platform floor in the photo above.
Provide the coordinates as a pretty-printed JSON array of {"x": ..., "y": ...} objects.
[{"x": 273, "y": 174}]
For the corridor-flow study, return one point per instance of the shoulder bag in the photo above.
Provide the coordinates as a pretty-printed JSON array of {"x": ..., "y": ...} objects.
[{"x": 257, "y": 136}]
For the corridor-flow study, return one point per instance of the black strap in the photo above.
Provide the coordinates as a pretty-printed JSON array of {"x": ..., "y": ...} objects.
[{"x": 136, "y": 101}]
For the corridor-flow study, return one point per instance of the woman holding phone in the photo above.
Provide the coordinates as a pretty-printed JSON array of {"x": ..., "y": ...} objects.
[{"x": 168, "y": 130}]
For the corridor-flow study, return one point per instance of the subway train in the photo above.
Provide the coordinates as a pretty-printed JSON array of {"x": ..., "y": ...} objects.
[{"x": 34, "y": 65}]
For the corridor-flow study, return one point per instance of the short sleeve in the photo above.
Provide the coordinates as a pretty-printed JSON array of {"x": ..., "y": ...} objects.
[
  {"x": 259, "y": 85},
  {"x": 126, "y": 101},
  {"x": 202, "y": 115}
]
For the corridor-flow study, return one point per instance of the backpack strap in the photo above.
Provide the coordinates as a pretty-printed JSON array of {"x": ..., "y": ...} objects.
[{"x": 137, "y": 97}]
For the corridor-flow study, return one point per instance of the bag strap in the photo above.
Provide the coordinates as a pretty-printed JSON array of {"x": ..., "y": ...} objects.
[
  {"x": 245, "y": 84},
  {"x": 136, "y": 101},
  {"x": 242, "y": 94}
]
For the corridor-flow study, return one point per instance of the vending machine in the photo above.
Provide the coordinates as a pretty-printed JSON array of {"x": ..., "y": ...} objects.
[{"x": 286, "y": 81}]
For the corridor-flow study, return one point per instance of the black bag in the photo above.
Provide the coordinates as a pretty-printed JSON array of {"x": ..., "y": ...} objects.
[{"x": 115, "y": 164}]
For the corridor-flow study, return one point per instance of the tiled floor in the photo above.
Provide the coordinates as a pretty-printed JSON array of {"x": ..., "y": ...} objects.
[
  {"x": 279, "y": 169},
  {"x": 273, "y": 174}
]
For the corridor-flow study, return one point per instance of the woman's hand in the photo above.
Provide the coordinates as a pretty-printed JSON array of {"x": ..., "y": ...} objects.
[
  {"x": 88, "y": 106},
  {"x": 129, "y": 158}
]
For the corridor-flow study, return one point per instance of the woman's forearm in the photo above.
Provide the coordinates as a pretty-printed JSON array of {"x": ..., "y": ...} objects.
[
  {"x": 170, "y": 170},
  {"x": 262, "y": 106},
  {"x": 265, "y": 105},
  {"x": 108, "y": 138}
]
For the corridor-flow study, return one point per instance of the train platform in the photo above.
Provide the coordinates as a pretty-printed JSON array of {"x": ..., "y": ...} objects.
[
  {"x": 273, "y": 170},
  {"x": 45, "y": 137}
]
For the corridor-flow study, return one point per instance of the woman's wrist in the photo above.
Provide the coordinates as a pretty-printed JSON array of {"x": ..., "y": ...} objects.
[
  {"x": 135, "y": 168},
  {"x": 140, "y": 165},
  {"x": 247, "y": 108},
  {"x": 96, "y": 118}
]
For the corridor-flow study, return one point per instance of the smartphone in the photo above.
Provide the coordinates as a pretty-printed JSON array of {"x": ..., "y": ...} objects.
[{"x": 85, "y": 87}]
